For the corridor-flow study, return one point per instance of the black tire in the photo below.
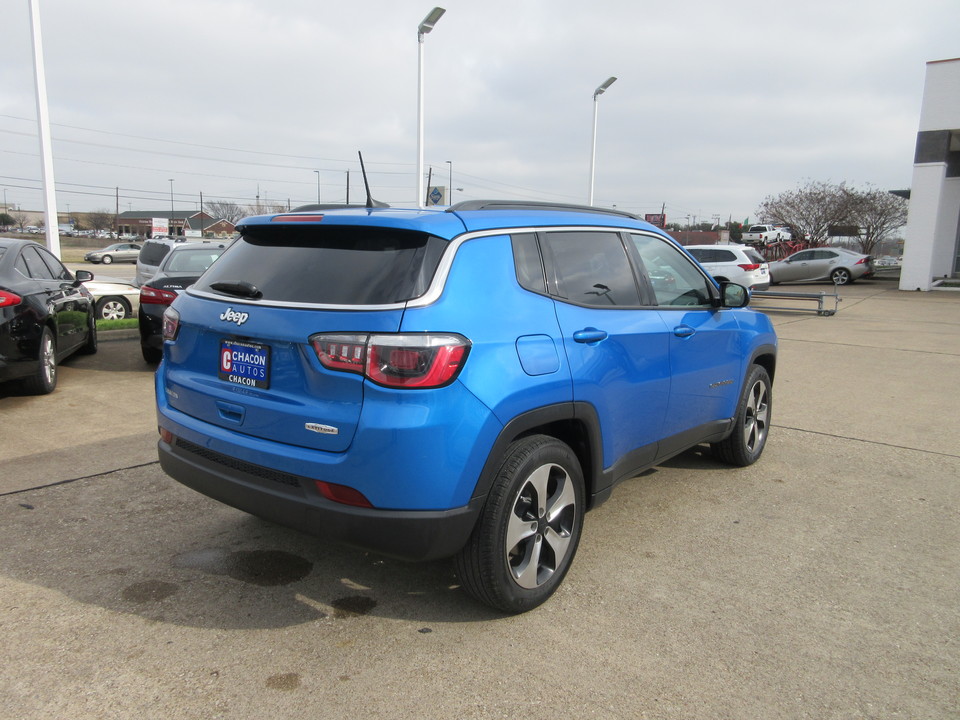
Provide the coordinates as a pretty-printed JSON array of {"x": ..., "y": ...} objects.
[
  {"x": 841, "y": 276},
  {"x": 44, "y": 379},
  {"x": 752, "y": 422},
  {"x": 529, "y": 529},
  {"x": 151, "y": 355},
  {"x": 113, "y": 308},
  {"x": 90, "y": 346},
  {"x": 106, "y": 259}
]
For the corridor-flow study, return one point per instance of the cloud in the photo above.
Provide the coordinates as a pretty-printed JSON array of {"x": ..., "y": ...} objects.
[{"x": 716, "y": 105}]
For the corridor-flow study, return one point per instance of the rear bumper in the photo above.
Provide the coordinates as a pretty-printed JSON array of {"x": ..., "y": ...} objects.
[{"x": 294, "y": 501}]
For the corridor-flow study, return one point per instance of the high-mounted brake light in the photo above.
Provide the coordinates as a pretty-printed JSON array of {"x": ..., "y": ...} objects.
[
  {"x": 9, "y": 299},
  {"x": 297, "y": 218},
  {"x": 428, "y": 360}
]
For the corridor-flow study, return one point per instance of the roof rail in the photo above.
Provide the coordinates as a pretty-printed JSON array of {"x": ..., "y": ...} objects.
[{"x": 535, "y": 205}]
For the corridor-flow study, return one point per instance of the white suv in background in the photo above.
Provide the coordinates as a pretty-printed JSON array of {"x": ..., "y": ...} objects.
[{"x": 733, "y": 263}]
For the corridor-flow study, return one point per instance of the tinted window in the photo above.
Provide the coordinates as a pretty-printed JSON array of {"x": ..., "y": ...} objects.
[
  {"x": 153, "y": 253},
  {"x": 57, "y": 269},
  {"x": 754, "y": 256},
  {"x": 330, "y": 265},
  {"x": 675, "y": 280},
  {"x": 526, "y": 257},
  {"x": 591, "y": 268},
  {"x": 36, "y": 267}
]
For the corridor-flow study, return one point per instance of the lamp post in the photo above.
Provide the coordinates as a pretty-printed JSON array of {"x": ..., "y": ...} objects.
[
  {"x": 173, "y": 230},
  {"x": 593, "y": 146},
  {"x": 318, "y": 186},
  {"x": 426, "y": 26},
  {"x": 450, "y": 183}
]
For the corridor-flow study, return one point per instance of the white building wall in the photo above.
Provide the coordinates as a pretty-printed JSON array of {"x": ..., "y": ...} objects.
[{"x": 930, "y": 250}]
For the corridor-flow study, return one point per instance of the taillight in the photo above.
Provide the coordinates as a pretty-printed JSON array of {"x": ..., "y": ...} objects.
[
  {"x": 754, "y": 266},
  {"x": 9, "y": 299},
  {"x": 171, "y": 324},
  {"x": 861, "y": 261},
  {"x": 156, "y": 296},
  {"x": 402, "y": 361}
]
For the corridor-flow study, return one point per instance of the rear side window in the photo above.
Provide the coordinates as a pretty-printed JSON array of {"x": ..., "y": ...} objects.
[
  {"x": 153, "y": 253},
  {"x": 330, "y": 265},
  {"x": 754, "y": 256}
]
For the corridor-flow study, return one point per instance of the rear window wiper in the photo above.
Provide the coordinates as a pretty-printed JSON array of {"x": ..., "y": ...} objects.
[{"x": 240, "y": 288}]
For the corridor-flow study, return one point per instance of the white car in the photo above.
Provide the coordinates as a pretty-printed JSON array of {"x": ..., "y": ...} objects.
[
  {"x": 115, "y": 300},
  {"x": 733, "y": 263}
]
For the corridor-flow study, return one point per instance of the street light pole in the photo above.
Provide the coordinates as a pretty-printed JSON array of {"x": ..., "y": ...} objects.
[
  {"x": 426, "y": 26},
  {"x": 593, "y": 146},
  {"x": 318, "y": 186},
  {"x": 173, "y": 230},
  {"x": 450, "y": 183}
]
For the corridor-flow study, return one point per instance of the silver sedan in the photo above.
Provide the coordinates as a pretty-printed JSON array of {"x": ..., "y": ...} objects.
[
  {"x": 118, "y": 252},
  {"x": 838, "y": 265}
]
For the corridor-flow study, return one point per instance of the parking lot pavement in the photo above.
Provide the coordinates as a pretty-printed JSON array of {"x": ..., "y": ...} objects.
[
  {"x": 101, "y": 417},
  {"x": 820, "y": 582}
]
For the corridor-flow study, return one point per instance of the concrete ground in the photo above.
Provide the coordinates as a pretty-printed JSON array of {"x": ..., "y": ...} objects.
[{"x": 822, "y": 582}]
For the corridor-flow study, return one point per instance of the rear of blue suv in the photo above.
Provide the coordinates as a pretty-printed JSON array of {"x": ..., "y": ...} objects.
[{"x": 463, "y": 382}]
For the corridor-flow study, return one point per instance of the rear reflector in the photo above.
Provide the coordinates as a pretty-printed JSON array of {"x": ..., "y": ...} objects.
[{"x": 342, "y": 494}]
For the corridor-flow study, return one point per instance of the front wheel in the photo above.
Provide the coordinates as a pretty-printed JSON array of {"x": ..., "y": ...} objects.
[
  {"x": 752, "y": 422},
  {"x": 529, "y": 529}
]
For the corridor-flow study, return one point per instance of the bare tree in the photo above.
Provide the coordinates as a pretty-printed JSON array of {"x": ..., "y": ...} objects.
[
  {"x": 225, "y": 210},
  {"x": 20, "y": 218},
  {"x": 878, "y": 214},
  {"x": 810, "y": 210},
  {"x": 100, "y": 220}
]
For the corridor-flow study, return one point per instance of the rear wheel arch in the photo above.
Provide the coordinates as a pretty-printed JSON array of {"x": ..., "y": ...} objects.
[{"x": 573, "y": 424}]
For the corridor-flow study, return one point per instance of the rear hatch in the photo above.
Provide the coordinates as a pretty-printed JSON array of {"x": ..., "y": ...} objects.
[{"x": 242, "y": 358}]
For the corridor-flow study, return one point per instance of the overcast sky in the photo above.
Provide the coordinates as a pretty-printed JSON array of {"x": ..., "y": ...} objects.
[{"x": 716, "y": 106}]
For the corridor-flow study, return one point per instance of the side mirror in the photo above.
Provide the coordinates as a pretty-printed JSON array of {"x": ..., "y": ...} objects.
[
  {"x": 734, "y": 296},
  {"x": 82, "y": 276}
]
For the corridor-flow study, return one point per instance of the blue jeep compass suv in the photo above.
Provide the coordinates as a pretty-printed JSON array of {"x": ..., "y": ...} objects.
[{"x": 461, "y": 382}]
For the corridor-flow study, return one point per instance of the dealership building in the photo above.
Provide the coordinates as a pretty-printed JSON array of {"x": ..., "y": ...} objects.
[
  {"x": 932, "y": 249},
  {"x": 176, "y": 224}
]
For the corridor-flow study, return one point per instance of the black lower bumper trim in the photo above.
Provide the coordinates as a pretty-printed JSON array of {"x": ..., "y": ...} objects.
[{"x": 402, "y": 534}]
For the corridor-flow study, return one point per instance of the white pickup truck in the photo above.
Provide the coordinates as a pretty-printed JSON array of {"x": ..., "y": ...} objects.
[{"x": 765, "y": 234}]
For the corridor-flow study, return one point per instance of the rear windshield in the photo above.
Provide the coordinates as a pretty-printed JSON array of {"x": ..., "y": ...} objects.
[
  {"x": 330, "y": 265},
  {"x": 192, "y": 260},
  {"x": 152, "y": 253}
]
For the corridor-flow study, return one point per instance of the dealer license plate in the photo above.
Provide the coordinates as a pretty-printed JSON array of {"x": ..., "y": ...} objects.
[{"x": 244, "y": 363}]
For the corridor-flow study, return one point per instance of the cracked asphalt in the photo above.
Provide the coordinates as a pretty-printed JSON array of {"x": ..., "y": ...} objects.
[{"x": 822, "y": 582}]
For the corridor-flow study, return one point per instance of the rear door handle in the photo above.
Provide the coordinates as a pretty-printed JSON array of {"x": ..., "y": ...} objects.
[{"x": 589, "y": 335}]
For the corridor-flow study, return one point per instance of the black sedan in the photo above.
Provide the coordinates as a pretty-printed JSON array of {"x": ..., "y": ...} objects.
[
  {"x": 180, "y": 269},
  {"x": 46, "y": 314}
]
